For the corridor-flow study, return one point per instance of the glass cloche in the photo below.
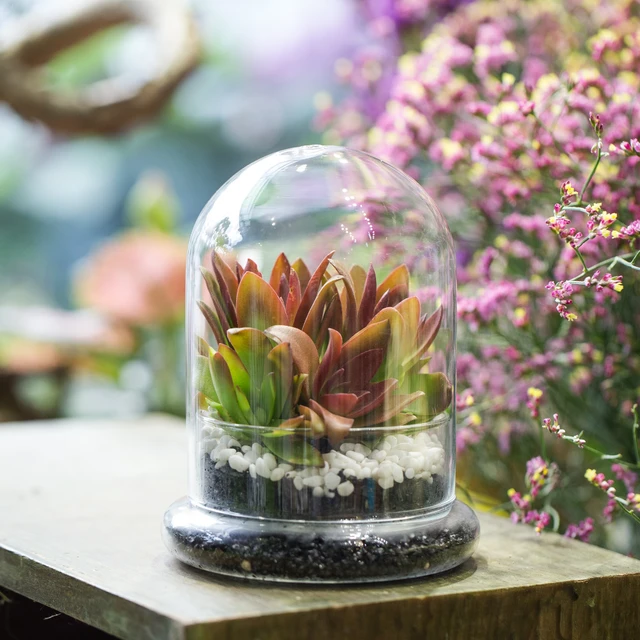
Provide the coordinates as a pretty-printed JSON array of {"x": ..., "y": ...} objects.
[{"x": 321, "y": 347}]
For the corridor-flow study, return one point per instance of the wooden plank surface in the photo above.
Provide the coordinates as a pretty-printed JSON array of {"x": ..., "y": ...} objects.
[{"x": 81, "y": 506}]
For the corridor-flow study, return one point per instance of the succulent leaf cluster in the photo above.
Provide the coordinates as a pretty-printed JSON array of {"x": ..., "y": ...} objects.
[{"x": 324, "y": 351}]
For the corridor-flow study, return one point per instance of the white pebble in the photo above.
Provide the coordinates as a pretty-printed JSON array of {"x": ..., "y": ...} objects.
[
  {"x": 354, "y": 455},
  {"x": 250, "y": 456},
  {"x": 363, "y": 449},
  {"x": 297, "y": 483},
  {"x": 393, "y": 458},
  {"x": 379, "y": 454},
  {"x": 224, "y": 454},
  {"x": 385, "y": 483},
  {"x": 345, "y": 489},
  {"x": 398, "y": 476},
  {"x": 270, "y": 461},
  {"x": 385, "y": 470},
  {"x": 313, "y": 481},
  {"x": 410, "y": 472},
  {"x": 262, "y": 469},
  {"x": 233, "y": 443},
  {"x": 391, "y": 441},
  {"x": 257, "y": 449},
  {"x": 238, "y": 463},
  {"x": 347, "y": 446},
  {"x": 285, "y": 467},
  {"x": 246, "y": 448},
  {"x": 318, "y": 492},
  {"x": 329, "y": 494},
  {"x": 209, "y": 444},
  {"x": 219, "y": 465},
  {"x": 252, "y": 470},
  {"x": 349, "y": 473},
  {"x": 277, "y": 474},
  {"x": 331, "y": 481},
  {"x": 402, "y": 439},
  {"x": 365, "y": 472},
  {"x": 291, "y": 474}
]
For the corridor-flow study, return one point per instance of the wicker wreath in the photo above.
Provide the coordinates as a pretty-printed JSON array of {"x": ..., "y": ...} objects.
[{"x": 110, "y": 105}]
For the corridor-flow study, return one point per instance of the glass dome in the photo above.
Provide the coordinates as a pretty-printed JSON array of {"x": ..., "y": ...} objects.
[{"x": 321, "y": 337}]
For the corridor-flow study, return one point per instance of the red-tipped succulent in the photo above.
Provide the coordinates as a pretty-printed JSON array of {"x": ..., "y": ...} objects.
[{"x": 327, "y": 351}]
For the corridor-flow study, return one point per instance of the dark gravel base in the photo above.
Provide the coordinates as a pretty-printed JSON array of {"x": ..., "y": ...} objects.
[
  {"x": 228, "y": 490},
  {"x": 233, "y": 550}
]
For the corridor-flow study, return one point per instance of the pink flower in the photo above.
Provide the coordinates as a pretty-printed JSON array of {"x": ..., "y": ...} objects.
[{"x": 137, "y": 278}]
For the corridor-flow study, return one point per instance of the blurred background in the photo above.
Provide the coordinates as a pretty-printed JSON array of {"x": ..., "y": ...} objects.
[{"x": 96, "y": 207}]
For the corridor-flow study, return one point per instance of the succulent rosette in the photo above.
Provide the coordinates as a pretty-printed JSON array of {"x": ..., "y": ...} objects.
[{"x": 316, "y": 354}]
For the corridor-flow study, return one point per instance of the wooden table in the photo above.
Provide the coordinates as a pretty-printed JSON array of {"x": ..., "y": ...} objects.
[{"x": 81, "y": 505}]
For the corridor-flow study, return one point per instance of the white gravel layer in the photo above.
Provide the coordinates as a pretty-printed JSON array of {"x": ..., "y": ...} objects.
[{"x": 395, "y": 458}]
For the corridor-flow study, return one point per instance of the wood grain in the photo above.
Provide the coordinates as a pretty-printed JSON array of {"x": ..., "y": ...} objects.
[{"x": 81, "y": 505}]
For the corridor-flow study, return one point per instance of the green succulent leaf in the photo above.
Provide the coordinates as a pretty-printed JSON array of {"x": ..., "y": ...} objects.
[
  {"x": 359, "y": 278},
  {"x": 409, "y": 309},
  {"x": 427, "y": 332},
  {"x": 245, "y": 407},
  {"x": 213, "y": 321},
  {"x": 326, "y": 294},
  {"x": 303, "y": 273},
  {"x": 280, "y": 361},
  {"x": 303, "y": 350},
  {"x": 310, "y": 291},
  {"x": 359, "y": 371},
  {"x": 377, "y": 394},
  {"x": 266, "y": 409},
  {"x": 225, "y": 275},
  {"x": 204, "y": 383},
  {"x": 238, "y": 371},
  {"x": 300, "y": 388},
  {"x": 258, "y": 305},
  {"x": 389, "y": 410},
  {"x": 347, "y": 300},
  {"x": 294, "y": 295},
  {"x": 280, "y": 268},
  {"x": 374, "y": 336},
  {"x": 438, "y": 394},
  {"x": 292, "y": 449},
  {"x": 252, "y": 347},
  {"x": 225, "y": 389},
  {"x": 313, "y": 421},
  {"x": 368, "y": 299},
  {"x": 341, "y": 403},
  {"x": 399, "y": 276},
  {"x": 337, "y": 427},
  {"x": 329, "y": 360},
  {"x": 202, "y": 346},
  {"x": 398, "y": 332}
]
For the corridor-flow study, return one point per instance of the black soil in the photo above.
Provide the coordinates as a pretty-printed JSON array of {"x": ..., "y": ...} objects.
[
  {"x": 235, "y": 551},
  {"x": 228, "y": 490}
]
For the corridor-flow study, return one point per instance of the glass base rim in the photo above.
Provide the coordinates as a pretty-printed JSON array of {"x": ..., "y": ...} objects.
[{"x": 313, "y": 552}]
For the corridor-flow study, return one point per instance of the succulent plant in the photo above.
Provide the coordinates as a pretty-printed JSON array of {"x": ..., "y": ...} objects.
[{"x": 326, "y": 351}]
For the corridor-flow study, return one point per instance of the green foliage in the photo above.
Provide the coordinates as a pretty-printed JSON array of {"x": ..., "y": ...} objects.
[{"x": 322, "y": 352}]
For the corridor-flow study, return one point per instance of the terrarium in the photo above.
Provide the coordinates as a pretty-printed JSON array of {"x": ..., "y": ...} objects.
[{"x": 321, "y": 346}]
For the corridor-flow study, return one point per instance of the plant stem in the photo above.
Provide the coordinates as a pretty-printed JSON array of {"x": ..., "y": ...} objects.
[
  {"x": 634, "y": 431},
  {"x": 590, "y": 177},
  {"x": 630, "y": 512},
  {"x": 610, "y": 262}
]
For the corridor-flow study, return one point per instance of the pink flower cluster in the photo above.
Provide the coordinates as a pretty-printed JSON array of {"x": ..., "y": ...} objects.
[
  {"x": 582, "y": 531},
  {"x": 523, "y": 123},
  {"x": 522, "y": 512}
]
